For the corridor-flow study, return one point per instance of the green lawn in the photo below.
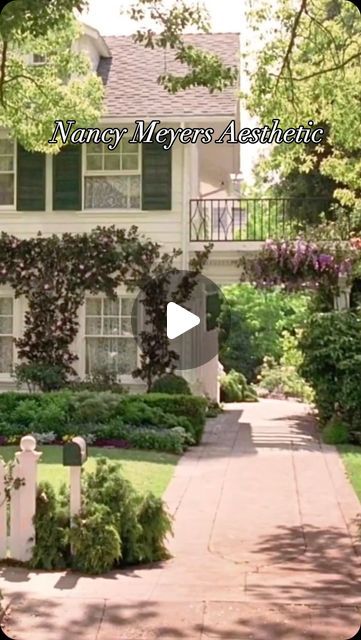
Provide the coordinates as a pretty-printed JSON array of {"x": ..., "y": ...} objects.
[
  {"x": 351, "y": 456},
  {"x": 146, "y": 470}
]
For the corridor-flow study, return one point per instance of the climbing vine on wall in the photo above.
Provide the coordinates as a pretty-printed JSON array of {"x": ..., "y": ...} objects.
[
  {"x": 55, "y": 273},
  {"x": 157, "y": 357}
]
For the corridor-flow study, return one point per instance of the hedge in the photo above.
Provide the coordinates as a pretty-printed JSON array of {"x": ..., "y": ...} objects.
[
  {"x": 68, "y": 412},
  {"x": 193, "y": 408}
]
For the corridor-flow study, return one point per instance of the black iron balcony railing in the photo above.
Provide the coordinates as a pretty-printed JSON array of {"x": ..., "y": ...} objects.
[{"x": 252, "y": 219}]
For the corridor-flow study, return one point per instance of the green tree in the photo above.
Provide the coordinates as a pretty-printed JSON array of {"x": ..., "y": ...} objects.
[
  {"x": 32, "y": 97},
  {"x": 258, "y": 319},
  {"x": 309, "y": 69}
]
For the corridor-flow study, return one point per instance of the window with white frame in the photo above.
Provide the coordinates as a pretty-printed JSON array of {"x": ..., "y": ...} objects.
[
  {"x": 6, "y": 334},
  {"x": 109, "y": 339},
  {"x": 112, "y": 178},
  {"x": 38, "y": 59},
  {"x": 7, "y": 172}
]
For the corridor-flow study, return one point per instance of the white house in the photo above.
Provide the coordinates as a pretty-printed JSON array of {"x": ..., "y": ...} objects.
[{"x": 180, "y": 198}]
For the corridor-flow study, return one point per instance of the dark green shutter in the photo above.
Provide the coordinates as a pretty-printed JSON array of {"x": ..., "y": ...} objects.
[
  {"x": 213, "y": 310},
  {"x": 67, "y": 179},
  {"x": 156, "y": 177},
  {"x": 30, "y": 180}
]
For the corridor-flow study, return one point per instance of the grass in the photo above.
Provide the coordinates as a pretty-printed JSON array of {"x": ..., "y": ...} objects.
[
  {"x": 351, "y": 456},
  {"x": 146, "y": 470}
]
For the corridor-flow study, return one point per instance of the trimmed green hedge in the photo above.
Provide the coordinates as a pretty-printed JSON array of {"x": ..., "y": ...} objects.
[
  {"x": 194, "y": 408},
  {"x": 68, "y": 413}
]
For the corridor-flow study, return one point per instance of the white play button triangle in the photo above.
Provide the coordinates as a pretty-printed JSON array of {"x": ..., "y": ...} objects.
[{"x": 179, "y": 320}]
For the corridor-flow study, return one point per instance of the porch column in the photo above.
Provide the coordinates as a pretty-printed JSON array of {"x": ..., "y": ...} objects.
[
  {"x": 210, "y": 373},
  {"x": 194, "y": 170},
  {"x": 342, "y": 301}
]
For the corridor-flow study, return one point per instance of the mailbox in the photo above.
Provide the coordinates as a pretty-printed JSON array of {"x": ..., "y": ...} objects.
[{"x": 75, "y": 452}]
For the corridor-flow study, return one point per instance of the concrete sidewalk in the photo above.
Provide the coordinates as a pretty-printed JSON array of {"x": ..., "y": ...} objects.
[{"x": 265, "y": 548}]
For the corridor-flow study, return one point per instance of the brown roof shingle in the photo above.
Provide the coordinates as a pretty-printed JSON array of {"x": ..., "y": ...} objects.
[{"x": 130, "y": 77}]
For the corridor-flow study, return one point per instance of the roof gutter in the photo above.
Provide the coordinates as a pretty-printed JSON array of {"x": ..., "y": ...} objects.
[{"x": 206, "y": 119}]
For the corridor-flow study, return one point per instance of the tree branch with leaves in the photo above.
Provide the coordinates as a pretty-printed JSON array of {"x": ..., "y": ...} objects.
[{"x": 309, "y": 69}]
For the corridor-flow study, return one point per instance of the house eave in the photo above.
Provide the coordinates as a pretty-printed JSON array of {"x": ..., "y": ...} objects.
[{"x": 207, "y": 118}]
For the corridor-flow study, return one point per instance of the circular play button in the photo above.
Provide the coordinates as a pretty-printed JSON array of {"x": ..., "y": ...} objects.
[{"x": 188, "y": 327}]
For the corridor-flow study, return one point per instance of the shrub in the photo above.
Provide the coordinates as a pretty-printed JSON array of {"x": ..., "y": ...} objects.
[
  {"x": 93, "y": 408},
  {"x": 116, "y": 527},
  {"x": 103, "y": 414},
  {"x": 45, "y": 438},
  {"x": 234, "y": 388},
  {"x": 95, "y": 541},
  {"x": 213, "y": 408},
  {"x": 46, "y": 418},
  {"x": 171, "y": 383},
  {"x": 25, "y": 414},
  {"x": 284, "y": 379},
  {"x": 335, "y": 432},
  {"x": 331, "y": 349},
  {"x": 171, "y": 440},
  {"x": 51, "y": 550},
  {"x": 107, "y": 487},
  {"x": 193, "y": 408},
  {"x": 156, "y": 525},
  {"x": 43, "y": 376},
  {"x": 101, "y": 379}
]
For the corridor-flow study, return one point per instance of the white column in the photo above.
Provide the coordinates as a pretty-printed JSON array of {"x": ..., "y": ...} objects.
[
  {"x": 342, "y": 301},
  {"x": 23, "y": 500},
  {"x": 210, "y": 379},
  {"x": 194, "y": 170},
  {"x": 3, "y": 503}
]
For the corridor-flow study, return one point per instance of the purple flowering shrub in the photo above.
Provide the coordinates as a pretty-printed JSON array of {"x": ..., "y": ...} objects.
[{"x": 298, "y": 264}]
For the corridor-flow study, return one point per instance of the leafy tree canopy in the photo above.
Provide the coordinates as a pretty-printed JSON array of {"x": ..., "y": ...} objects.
[
  {"x": 32, "y": 97},
  {"x": 309, "y": 69}
]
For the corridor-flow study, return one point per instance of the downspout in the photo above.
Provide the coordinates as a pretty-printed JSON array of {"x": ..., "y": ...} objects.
[{"x": 185, "y": 206}]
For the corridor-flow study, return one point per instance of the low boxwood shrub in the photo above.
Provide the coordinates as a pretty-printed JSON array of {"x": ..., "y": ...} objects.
[
  {"x": 193, "y": 408},
  {"x": 171, "y": 383},
  {"x": 171, "y": 440},
  {"x": 24, "y": 414},
  {"x": 88, "y": 407}
]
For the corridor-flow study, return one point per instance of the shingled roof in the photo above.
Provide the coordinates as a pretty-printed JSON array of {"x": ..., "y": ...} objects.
[{"x": 130, "y": 77}]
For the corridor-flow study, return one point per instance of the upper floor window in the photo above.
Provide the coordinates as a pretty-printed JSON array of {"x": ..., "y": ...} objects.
[
  {"x": 7, "y": 172},
  {"x": 112, "y": 178},
  {"x": 38, "y": 59}
]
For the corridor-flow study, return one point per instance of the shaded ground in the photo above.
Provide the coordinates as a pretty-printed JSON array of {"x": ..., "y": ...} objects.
[{"x": 265, "y": 548}]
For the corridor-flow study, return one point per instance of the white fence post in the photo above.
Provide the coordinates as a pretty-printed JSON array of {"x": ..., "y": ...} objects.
[
  {"x": 3, "y": 511},
  {"x": 23, "y": 501}
]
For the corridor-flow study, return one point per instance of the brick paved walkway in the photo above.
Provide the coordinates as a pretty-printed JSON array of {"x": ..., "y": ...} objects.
[{"x": 265, "y": 548}]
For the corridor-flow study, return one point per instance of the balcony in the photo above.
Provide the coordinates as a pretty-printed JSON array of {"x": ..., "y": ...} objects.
[{"x": 251, "y": 219}]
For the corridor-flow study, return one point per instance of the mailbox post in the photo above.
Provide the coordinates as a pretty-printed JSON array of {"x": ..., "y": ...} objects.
[{"x": 75, "y": 453}]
